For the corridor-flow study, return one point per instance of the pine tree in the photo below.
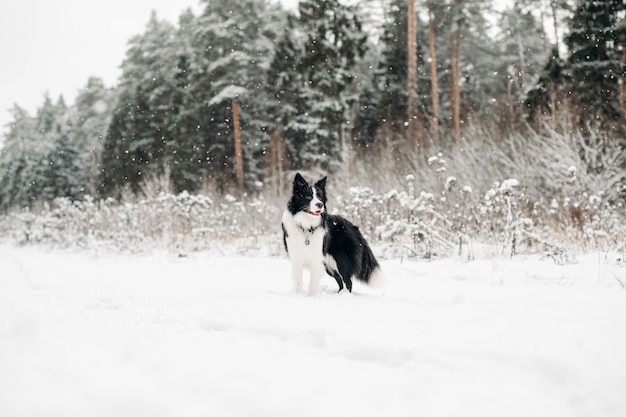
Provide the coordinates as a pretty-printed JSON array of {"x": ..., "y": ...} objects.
[
  {"x": 233, "y": 47},
  {"x": 474, "y": 59},
  {"x": 56, "y": 172},
  {"x": 520, "y": 41},
  {"x": 368, "y": 115},
  {"x": 595, "y": 54},
  {"x": 90, "y": 119},
  {"x": 39, "y": 161},
  {"x": 545, "y": 96},
  {"x": 63, "y": 174},
  {"x": 37, "y": 148},
  {"x": 457, "y": 20},
  {"x": 333, "y": 41},
  {"x": 14, "y": 159},
  {"x": 286, "y": 104},
  {"x": 393, "y": 75},
  {"x": 138, "y": 141},
  {"x": 434, "y": 84},
  {"x": 184, "y": 164},
  {"x": 414, "y": 138}
]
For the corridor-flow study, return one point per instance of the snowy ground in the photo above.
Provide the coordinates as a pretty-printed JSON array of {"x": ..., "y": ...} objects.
[{"x": 120, "y": 335}]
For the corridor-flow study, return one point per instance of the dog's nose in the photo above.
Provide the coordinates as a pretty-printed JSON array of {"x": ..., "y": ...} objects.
[{"x": 319, "y": 205}]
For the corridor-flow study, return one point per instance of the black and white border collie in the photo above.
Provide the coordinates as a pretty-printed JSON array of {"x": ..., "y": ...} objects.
[{"x": 316, "y": 240}]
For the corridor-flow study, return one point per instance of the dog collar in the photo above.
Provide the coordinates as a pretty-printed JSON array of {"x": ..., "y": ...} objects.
[{"x": 309, "y": 231}]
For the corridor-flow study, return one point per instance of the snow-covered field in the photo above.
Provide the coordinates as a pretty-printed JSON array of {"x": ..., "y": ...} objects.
[{"x": 85, "y": 334}]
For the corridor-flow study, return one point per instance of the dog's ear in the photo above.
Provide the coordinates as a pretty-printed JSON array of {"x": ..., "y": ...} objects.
[
  {"x": 299, "y": 182},
  {"x": 321, "y": 184}
]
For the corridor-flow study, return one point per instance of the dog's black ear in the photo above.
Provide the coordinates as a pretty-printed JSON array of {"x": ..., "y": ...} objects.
[
  {"x": 321, "y": 184},
  {"x": 299, "y": 182}
]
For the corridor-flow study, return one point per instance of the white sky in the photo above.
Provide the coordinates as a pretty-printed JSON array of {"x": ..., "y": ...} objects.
[{"x": 55, "y": 46}]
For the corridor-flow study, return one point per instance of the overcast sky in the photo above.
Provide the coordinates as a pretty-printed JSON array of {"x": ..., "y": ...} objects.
[{"x": 55, "y": 46}]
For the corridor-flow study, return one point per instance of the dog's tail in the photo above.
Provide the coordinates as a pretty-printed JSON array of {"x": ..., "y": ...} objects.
[{"x": 370, "y": 271}]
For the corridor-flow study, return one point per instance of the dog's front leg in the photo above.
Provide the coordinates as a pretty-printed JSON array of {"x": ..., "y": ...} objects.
[
  {"x": 296, "y": 276},
  {"x": 316, "y": 276}
]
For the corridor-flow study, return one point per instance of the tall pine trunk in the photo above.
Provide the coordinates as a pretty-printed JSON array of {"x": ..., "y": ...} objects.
[
  {"x": 276, "y": 161},
  {"x": 413, "y": 136},
  {"x": 238, "y": 155},
  {"x": 622, "y": 94},
  {"x": 455, "y": 75},
  {"x": 434, "y": 90},
  {"x": 555, "y": 24}
]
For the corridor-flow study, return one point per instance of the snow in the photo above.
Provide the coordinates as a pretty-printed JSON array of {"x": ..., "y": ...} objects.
[
  {"x": 227, "y": 93},
  {"x": 97, "y": 334},
  {"x": 508, "y": 185},
  {"x": 450, "y": 181}
]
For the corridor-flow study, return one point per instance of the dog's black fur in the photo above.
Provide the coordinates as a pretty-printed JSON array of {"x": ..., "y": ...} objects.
[{"x": 353, "y": 257}]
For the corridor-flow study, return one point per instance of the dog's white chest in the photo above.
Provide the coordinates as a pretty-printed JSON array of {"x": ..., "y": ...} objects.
[{"x": 304, "y": 239}]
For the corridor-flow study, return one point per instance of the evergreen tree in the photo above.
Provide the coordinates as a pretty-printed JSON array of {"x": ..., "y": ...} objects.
[
  {"x": 466, "y": 62},
  {"x": 284, "y": 89},
  {"x": 368, "y": 116},
  {"x": 333, "y": 41},
  {"x": 185, "y": 164},
  {"x": 90, "y": 120},
  {"x": 233, "y": 47},
  {"x": 39, "y": 161},
  {"x": 521, "y": 58},
  {"x": 544, "y": 97},
  {"x": 15, "y": 159},
  {"x": 393, "y": 68},
  {"x": 63, "y": 174},
  {"x": 595, "y": 54},
  {"x": 56, "y": 170},
  {"x": 138, "y": 141},
  {"x": 37, "y": 148},
  {"x": 480, "y": 59}
]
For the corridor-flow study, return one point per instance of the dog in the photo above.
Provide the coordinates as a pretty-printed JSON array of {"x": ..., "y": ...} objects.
[{"x": 318, "y": 241}]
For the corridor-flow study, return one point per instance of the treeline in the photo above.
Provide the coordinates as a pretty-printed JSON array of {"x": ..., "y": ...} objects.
[{"x": 245, "y": 92}]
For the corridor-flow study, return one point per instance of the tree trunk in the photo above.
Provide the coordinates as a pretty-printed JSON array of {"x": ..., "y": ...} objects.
[
  {"x": 522, "y": 61},
  {"x": 555, "y": 24},
  {"x": 434, "y": 90},
  {"x": 238, "y": 155},
  {"x": 412, "y": 127},
  {"x": 622, "y": 95},
  {"x": 553, "y": 104},
  {"x": 93, "y": 173},
  {"x": 455, "y": 75},
  {"x": 276, "y": 161},
  {"x": 542, "y": 27}
]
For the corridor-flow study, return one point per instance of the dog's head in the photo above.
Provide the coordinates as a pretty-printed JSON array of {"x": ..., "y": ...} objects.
[{"x": 307, "y": 198}]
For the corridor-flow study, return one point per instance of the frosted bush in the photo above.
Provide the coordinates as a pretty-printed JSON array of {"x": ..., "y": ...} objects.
[
  {"x": 410, "y": 224},
  {"x": 181, "y": 223},
  {"x": 450, "y": 181},
  {"x": 442, "y": 217}
]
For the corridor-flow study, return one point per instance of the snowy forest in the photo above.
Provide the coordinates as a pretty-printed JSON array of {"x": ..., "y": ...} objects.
[{"x": 441, "y": 125}]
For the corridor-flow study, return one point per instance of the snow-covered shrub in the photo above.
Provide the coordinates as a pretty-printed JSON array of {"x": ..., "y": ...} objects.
[
  {"x": 545, "y": 191},
  {"x": 455, "y": 204},
  {"x": 502, "y": 216},
  {"x": 179, "y": 223},
  {"x": 411, "y": 224},
  {"x": 362, "y": 206}
]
